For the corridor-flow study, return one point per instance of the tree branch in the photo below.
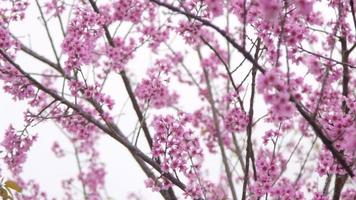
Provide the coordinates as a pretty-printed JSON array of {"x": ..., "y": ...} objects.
[
  {"x": 247, "y": 55},
  {"x": 111, "y": 130},
  {"x": 127, "y": 84}
]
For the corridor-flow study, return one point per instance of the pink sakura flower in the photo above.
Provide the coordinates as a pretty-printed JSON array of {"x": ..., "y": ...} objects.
[
  {"x": 320, "y": 196},
  {"x": 33, "y": 190},
  {"x": 269, "y": 135},
  {"x": 156, "y": 36},
  {"x": 270, "y": 9},
  {"x": 215, "y": 7},
  {"x": 236, "y": 120},
  {"x": 93, "y": 179},
  {"x": 314, "y": 65},
  {"x": 16, "y": 84},
  {"x": 12, "y": 11},
  {"x": 275, "y": 93},
  {"x": 119, "y": 55},
  {"x": 55, "y": 6},
  {"x": 82, "y": 34},
  {"x": 327, "y": 164},
  {"x": 16, "y": 147},
  {"x": 190, "y": 31},
  {"x": 67, "y": 186},
  {"x": 5, "y": 39},
  {"x": 348, "y": 194},
  {"x": 349, "y": 144},
  {"x": 159, "y": 184},
  {"x": 128, "y": 10},
  {"x": 269, "y": 166},
  {"x": 154, "y": 92},
  {"x": 178, "y": 148},
  {"x": 304, "y": 7},
  {"x": 286, "y": 190},
  {"x": 57, "y": 150}
]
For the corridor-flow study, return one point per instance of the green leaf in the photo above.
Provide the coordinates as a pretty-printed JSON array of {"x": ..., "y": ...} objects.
[
  {"x": 4, "y": 194},
  {"x": 13, "y": 185}
]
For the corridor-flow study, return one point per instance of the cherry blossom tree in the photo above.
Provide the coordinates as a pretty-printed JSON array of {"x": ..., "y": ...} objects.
[{"x": 264, "y": 86}]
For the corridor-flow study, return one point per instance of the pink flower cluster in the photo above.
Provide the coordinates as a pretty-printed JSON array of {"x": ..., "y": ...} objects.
[
  {"x": 349, "y": 194},
  {"x": 164, "y": 65},
  {"x": 119, "y": 55},
  {"x": 314, "y": 65},
  {"x": 327, "y": 164},
  {"x": 82, "y": 34},
  {"x": 269, "y": 165},
  {"x": 128, "y": 10},
  {"x": 205, "y": 123},
  {"x": 16, "y": 147},
  {"x": 212, "y": 63},
  {"x": 82, "y": 132},
  {"x": 156, "y": 35},
  {"x": 319, "y": 196},
  {"x": 341, "y": 128},
  {"x": 270, "y": 135},
  {"x": 31, "y": 190},
  {"x": 94, "y": 180},
  {"x": 90, "y": 92},
  {"x": 284, "y": 189},
  {"x": 267, "y": 17},
  {"x": 270, "y": 9},
  {"x": 174, "y": 140},
  {"x": 11, "y": 10},
  {"x": 5, "y": 39},
  {"x": 8, "y": 45},
  {"x": 190, "y": 31},
  {"x": 15, "y": 83},
  {"x": 215, "y": 7},
  {"x": 57, "y": 150},
  {"x": 68, "y": 185},
  {"x": 55, "y": 6},
  {"x": 236, "y": 120},
  {"x": 159, "y": 184},
  {"x": 155, "y": 93},
  {"x": 178, "y": 149},
  {"x": 275, "y": 92},
  {"x": 304, "y": 7}
]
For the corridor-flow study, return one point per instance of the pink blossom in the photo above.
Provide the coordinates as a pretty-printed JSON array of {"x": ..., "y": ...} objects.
[
  {"x": 155, "y": 92},
  {"x": 236, "y": 120},
  {"x": 16, "y": 146},
  {"x": 57, "y": 150},
  {"x": 304, "y": 7},
  {"x": 270, "y": 9},
  {"x": 93, "y": 179},
  {"x": 55, "y": 6}
]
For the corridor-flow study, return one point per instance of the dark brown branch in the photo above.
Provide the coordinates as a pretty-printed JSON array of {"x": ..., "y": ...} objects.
[
  {"x": 353, "y": 13},
  {"x": 327, "y": 184},
  {"x": 340, "y": 180},
  {"x": 236, "y": 88},
  {"x": 111, "y": 130},
  {"x": 301, "y": 170},
  {"x": 41, "y": 58},
  {"x": 217, "y": 127},
  {"x": 249, "y": 151},
  {"x": 127, "y": 84},
  {"x": 319, "y": 132},
  {"x": 324, "y": 57},
  {"x": 247, "y": 55},
  {"x": 48, "y": 33},
  {"x": 316, "y": 127}
]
